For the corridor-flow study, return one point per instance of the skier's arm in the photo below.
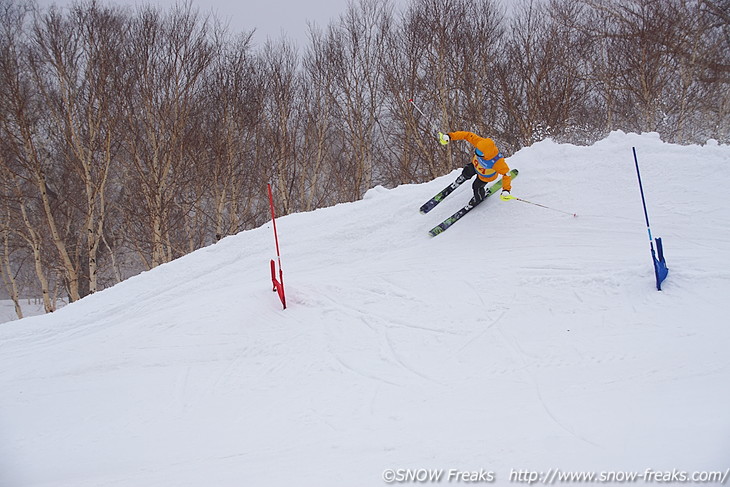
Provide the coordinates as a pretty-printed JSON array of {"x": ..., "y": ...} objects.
[
  {"x": 501, "y": 167},
  {"x": 484, "y": 144},
  {"x": 472, "y": 138}
]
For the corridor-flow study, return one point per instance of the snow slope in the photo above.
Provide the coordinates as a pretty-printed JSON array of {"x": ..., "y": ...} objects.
[{"x": 519, "y": 339}]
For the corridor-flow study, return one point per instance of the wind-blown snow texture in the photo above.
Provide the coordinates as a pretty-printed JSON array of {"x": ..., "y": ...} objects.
[{"x": 519, "y": 339}]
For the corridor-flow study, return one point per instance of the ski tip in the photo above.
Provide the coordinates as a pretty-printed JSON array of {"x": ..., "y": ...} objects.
[{"x": 426, "y": 208}]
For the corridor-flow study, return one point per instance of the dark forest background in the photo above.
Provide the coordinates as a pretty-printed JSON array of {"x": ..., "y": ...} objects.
[{"x": 129, "y": 138}]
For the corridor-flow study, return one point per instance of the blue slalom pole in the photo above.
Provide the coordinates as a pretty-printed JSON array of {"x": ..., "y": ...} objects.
[{"x": 660, "y": 265}]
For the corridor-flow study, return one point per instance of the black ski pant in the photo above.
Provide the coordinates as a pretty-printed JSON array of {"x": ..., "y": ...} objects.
[{"x": 478, "y": 185}]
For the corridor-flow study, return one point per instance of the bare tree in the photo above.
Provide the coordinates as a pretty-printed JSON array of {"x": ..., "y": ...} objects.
[
  {"x": 77, "y": 66},
  {"x": 714, "y": 106},
  {"x": 166, "y": 59},
  {"x": 25, "y": 156},
  {"x": 7, "y": 273},
  {"x": 639, "y": 32},
  {"x": 444, "y": 56},
  {"x": 540, "y": 74},
  {"x": 280, "y": 120},
  {"x": 322, "y": 146},
  {"x": 434, "y": 30},
  {"x": 234, "y": 103},
  {"x": 357, "y": 41},
  {"x": 19, "y": 223},
  {"x": 651, "y": 63}
]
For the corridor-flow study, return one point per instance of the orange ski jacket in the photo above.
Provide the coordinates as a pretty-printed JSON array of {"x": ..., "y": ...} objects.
[{"x": 491, "y": 164}]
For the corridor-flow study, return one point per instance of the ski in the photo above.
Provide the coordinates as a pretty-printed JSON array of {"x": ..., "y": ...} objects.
[
  {"x": 430, "y": 204},
  {"x": 441, "y": 227}
]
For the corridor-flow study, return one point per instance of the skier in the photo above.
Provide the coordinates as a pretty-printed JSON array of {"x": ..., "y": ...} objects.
[{"x": 486, "y": 164}]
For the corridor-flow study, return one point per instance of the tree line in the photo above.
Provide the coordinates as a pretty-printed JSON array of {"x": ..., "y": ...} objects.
[{"x": 129, "y": 138}]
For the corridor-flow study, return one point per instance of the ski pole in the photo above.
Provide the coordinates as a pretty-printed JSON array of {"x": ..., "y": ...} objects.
[
  {"x": 433, "y": 125},
  {"x": 508, "y": 197}
]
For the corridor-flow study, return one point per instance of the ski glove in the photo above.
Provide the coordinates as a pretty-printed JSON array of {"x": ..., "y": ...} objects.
[
  {"x": 505, "y": 195},
  {"x": 443, "y": 138}
]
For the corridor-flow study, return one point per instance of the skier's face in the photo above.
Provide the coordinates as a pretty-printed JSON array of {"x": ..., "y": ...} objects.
[{"x": 478, "y": 155}]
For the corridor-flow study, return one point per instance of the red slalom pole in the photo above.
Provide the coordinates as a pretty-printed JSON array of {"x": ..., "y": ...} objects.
[{"x": 278, "y": 284}]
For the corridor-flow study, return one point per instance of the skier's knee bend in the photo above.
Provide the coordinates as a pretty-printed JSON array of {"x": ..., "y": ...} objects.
[{"x": 468, "y": 172}]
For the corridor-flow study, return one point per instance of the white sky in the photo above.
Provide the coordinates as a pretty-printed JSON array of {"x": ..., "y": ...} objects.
[{"x": 270, "y": 18}]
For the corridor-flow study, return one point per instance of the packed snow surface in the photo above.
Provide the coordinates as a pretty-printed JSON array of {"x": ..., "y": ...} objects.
[{"x": 522, "y": 339}]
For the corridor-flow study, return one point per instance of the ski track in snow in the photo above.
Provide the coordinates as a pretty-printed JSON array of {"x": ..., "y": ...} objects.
[{"x": 521, "y": 338}]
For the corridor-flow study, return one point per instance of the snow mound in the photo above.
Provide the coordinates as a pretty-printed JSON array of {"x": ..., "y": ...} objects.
[{"x": 521, "y": 338}]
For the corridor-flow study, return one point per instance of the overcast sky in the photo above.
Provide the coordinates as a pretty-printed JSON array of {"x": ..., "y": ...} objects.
[{"x": 270, "y": 18}]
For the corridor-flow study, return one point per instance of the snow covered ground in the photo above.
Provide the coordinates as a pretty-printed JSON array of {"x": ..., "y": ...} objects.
[{"x": 519, "y": 341}]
